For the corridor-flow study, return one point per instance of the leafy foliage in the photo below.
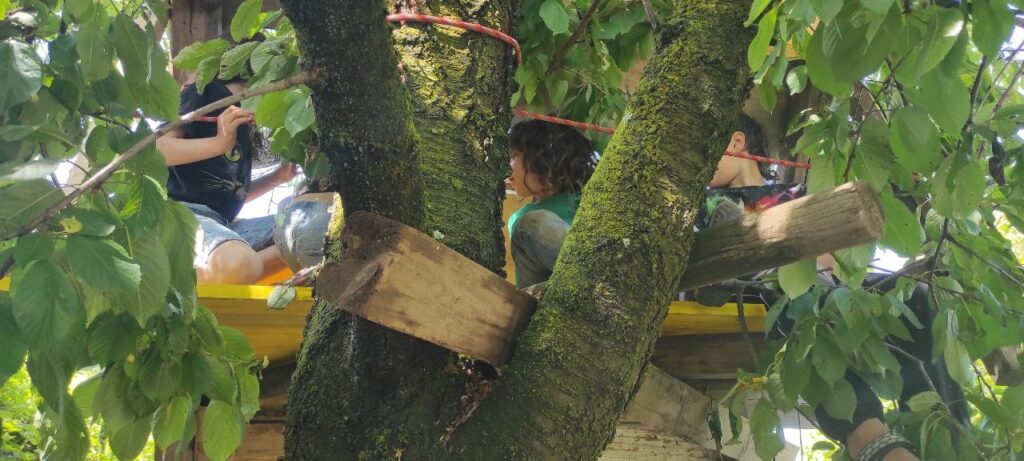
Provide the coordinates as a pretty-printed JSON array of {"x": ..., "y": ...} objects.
[
  {"x": 107, "y": 284},
  {"x": 923, "y": 105}
]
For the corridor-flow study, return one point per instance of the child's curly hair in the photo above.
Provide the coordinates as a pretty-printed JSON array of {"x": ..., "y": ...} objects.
[{"x": 559, "y": 155}]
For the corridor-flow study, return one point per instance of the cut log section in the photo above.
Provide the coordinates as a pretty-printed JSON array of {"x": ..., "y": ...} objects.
[
  {"x": 396, "y": 276},
  {"x": 820, "y": 223}
]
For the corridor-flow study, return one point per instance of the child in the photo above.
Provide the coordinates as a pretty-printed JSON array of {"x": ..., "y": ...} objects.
[
  {"x": 210, "y": 172},
  {"x": 550, "y": 163}
]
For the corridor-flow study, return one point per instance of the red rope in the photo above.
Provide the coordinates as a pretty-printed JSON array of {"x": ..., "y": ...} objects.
[
  {"x": 562, "y": 121},
  {"x": 774, "y": 161},
  {"x": 472, "y": 26}
]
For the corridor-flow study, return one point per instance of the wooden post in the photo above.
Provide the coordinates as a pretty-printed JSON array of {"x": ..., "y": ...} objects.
[{"x": 820, "y": 223}]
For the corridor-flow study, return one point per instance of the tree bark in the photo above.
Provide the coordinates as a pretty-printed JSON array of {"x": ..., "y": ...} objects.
[
  {"x": 363, "y": 392},
  {"x": 578, "y": 363}
]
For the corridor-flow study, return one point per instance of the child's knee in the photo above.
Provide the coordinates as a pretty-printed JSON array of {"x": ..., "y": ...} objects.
[{"x": 232, "y": 262}]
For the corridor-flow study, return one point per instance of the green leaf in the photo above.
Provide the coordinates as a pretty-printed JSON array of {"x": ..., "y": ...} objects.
[
  {"x": 828, "y": 360},
  {"x": 300, "y": 114},
  {"x": 945, "y": 98},
  {"x": 878, "y": 6},
  {"x": 94, "y": 47},
  {"x": 88, "y": 222},
  {"x": 827, "y": 9},
  {"x": 196, "y": 374},
  {"x": 796, "y": 79},
  {"x": 208, "y": 70},
  {"x": 924, "y": 402},
  {"x": 133, "y": 48},
  {"x": 159, "y": 378},
  {"x": 222, "y": 430},
  {"x": 246, "y": 21},
  {"x": 45, "y": 305},
  {"x": 248, "y": 393},
  {"x": 552, "y": 12},
  {"x": 233, "y": 61},
  {"x": 236, "y": 345},
  {"x": 12, "y": 346},
  {"x": 192, "y": 56},
  {"x": 992, "y": 410},
  {"x": 84, "y": 394},
  {"x": 12, "y": 172},
  {"x": 271, "y": 110},
  {"x": 765, "y": 428},
  {"x": 843, "y": 401},
  {"x": 993, "y": 22},
  {"x": 557, "y": 91},
  {"x": 32, "y": 247},
  {"x": 170, "y": 420},
  {"x": 819, "y": 68},
  {"x": 758, "y": 49},
  {"x": 118, "y": 272},
  {"x": 957, "y": 191},
  {"x": 903, "y": 232},
  {"x": 755, "y": 11},
  {"x": 146, "y": 201},
  {"x": 915, "y": 140},
  {"x": 797, "y": 278},
  {"x": 155, "y": 279},
  {"x": 112, "y": 337},
  {"x": 852, "y": 263},
  {"x": 21, "y": 72},
  {"x": 795, "y": 374},
  {"x": 959, "y": 362},
  {"x": 128, "y": 441},
  {"x": 280, "y": 297}
]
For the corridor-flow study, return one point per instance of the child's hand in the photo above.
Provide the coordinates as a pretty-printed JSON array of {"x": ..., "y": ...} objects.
[
  {"x": 285, "y": 171},
  {"x": 227, "y": 126}
]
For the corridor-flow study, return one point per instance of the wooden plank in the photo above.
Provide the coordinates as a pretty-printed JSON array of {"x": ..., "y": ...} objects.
[
  {"x": 704, "y": 357},
  {"x": 665, "y": 405},
  {"x": 396, "y": 276},
  {"x": 634, "y": 443},
  {"x": 820, "y": 223},
  {"x": 692, "y": 318}
]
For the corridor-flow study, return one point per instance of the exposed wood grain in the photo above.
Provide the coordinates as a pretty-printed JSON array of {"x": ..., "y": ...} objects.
[
  {"x": 820, "y": 223},
  {"x": 396, "y": 276}
]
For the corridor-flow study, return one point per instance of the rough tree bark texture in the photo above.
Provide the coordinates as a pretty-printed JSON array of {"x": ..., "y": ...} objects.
[
  {"x": 361, "y": 391},
  {"x": 578, "y": 363}
]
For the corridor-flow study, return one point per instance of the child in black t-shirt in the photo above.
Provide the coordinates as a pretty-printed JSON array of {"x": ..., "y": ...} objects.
[{"x": 210, "y": 172}]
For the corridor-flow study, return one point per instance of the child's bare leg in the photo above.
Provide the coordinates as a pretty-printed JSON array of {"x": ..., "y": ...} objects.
[
  {"x": 270, "y": 260},
  {"x": 233, "y": 262}
]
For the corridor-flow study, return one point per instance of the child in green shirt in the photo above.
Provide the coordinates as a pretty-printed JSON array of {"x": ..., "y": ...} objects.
[{"x": 550, "y": 163}]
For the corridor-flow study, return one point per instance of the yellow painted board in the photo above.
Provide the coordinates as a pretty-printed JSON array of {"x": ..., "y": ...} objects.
[{"x": 276, "y": 334}]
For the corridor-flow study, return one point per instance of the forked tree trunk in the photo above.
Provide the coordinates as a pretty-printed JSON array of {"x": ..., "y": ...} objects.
[{"x": 361, "y": 391}]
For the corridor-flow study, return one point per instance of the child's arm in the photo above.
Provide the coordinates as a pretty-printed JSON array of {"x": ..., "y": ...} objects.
[
  {"x": 178, "y": 151},
  {"x": 284, "y": 173}
]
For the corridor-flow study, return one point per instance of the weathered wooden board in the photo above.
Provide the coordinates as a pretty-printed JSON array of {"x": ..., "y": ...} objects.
[
  {"x": 396, "y": 276},
  {"x": 820, "y": 223}
]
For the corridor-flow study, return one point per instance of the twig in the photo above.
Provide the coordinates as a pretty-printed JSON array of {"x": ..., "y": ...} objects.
[
  {"x": 741, "y": 315},
  {"x": 113, "y": 166},
  {"x": 920, "y": 364},
  {"x": 652, "y": 15},
  {"x": 1001, "y": 271},
  {"x": 1009, "y": 88},
  {"x": 976, "y": 86},
  {"x": 559, "y": 56}
]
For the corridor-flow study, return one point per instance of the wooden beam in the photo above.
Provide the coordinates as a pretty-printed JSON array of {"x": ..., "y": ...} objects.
[
  {"x": 396, "y": 276},
  {"x": 704, "y": 357},
  {"x": 820, "y": 223},
  {"x": 668, "y": 406}
]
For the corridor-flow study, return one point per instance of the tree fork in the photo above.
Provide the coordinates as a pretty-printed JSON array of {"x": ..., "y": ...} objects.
[
  {"x": 579, "y": 361},
  {"x": 362, "y": 391}
]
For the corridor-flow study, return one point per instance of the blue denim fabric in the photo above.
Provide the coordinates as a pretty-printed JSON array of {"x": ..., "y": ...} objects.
[{"x": 536, "y": 241}]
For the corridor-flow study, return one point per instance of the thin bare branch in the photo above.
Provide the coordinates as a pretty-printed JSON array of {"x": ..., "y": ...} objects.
[{"x": 104, "y": 173}]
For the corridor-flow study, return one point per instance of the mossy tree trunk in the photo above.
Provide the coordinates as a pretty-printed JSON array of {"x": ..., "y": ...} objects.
[{"x": 363, "y": 391}]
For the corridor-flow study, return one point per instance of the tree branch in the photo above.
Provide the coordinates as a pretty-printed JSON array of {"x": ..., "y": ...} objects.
[
  {"x": 559, "y": 56},
  {"x": 104, "y": 173}
]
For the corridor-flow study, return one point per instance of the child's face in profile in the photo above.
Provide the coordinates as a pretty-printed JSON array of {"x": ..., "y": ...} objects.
[{"x": 521, "y": 181}]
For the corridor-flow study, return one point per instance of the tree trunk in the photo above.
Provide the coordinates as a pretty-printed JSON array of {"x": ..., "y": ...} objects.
[{"x": 361, "y": 391}]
